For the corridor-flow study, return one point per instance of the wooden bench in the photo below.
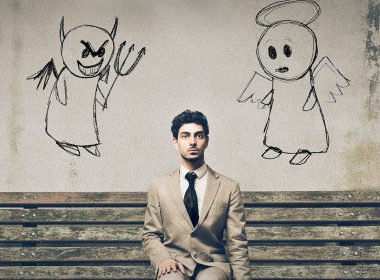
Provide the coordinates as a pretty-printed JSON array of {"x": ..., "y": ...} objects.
[{"x": 292, "y": 235}]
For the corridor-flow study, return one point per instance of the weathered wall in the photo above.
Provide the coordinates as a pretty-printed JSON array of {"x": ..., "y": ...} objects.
[{"x": 200, "y": 55}]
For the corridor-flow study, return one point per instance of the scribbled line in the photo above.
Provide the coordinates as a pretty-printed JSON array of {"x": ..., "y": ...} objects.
[
  {"x": 261, "y": 16},
  {"x": 341, "y": 81},
  {"x": 118, "y": 68},
  {"x": 45, "y": 72},
  {"x": 68, "y": 91},
  {"x": 324, "y": 79},
  {"x": 252, "y": 94}
]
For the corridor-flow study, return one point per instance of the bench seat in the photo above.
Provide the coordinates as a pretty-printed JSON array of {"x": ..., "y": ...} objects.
[{"x": 292, "y": 235}]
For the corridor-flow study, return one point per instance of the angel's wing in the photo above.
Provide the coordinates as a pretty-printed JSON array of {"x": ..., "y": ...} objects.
[
  {"x": 328, "y": 81},
  {"x": 45, "y": 73},
  {"x": 259, "y": 90}
]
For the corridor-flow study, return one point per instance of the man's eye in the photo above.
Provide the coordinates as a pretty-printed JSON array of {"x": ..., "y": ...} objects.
[
  {"x": 184, "y": 136},
  {"x": 101, "y": 52},
  {"x": 85, "y": 53},
  {"x": 200, "y": 136}
]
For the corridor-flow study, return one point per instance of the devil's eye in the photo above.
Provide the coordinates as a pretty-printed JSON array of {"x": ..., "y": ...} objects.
[
  {"x": 85, "y": 53},
  {"x": 287, "y": 50},
  {"x": 101, "y": 52},
  {"x": 272, "y": 52}
]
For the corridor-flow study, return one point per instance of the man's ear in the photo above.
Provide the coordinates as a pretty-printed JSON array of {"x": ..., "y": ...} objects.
[{"x": 175, "y": 143}]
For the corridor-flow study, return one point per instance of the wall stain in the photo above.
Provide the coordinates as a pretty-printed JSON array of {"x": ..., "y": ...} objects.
[
  {"x": 372, "y": 55},
  {"x": 73, "y": 171},
  {"x": 373, "y": 15},
  {"x": 362, "y": 165}
]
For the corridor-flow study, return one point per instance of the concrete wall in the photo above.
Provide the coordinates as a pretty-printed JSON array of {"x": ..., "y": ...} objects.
[{"x": 200, "y": 55}]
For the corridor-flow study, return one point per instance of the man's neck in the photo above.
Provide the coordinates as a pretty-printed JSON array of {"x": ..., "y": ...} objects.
[{"x": 192, "y": 165}]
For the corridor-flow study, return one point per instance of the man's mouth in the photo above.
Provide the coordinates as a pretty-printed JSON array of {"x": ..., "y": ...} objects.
[
  {"x": 193, "y": 150},
  {"x": 90, "y": 70},
  {"x": 282, "y": 69}
]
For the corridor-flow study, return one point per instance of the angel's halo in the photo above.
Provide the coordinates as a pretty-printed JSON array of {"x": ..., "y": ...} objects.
[{"x": 302, "y": 11}]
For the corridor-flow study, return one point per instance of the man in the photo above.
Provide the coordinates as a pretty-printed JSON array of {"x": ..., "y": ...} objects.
[{"x": 188, "y": 211}]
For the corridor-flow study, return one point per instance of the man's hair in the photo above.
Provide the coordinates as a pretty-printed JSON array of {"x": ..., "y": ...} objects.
[{"x": 188, "y": 117}]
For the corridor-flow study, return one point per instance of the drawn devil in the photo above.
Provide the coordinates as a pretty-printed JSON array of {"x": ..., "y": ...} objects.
[
  {"x": 71, "y": 115},
  {"x": 286, "y": 52}
]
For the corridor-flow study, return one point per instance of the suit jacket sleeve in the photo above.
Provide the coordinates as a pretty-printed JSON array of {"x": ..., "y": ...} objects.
[
  {"x": 237, "y": 244},
  {"x": 153, "y": 232}
]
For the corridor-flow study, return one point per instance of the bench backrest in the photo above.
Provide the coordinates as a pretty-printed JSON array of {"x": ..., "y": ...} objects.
[{"x": 292, "y": 235}]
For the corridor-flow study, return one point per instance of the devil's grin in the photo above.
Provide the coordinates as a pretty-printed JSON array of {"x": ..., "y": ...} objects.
[{"x": 90, "y": 70}]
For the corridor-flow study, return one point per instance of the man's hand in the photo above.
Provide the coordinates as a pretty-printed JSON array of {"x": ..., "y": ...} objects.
[{"x": 169, "y": 265}]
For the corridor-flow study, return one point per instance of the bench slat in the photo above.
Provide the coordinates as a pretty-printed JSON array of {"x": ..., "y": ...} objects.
[
  {"x": 76, "y": 272},
  {"x": 145, "y": 272},
  {"x": 117, "y": 215},
  {"x": 134, "y": 252},
  {"x": 316, "y": 272},
  {"x": 134, "y": 232},
  {"x": 139, "y": 198},
  {"x": 312, "y": 197},
  {"x": 131, "y": 252},
  {"x": 313, "y": 233},
  {"x": 314, "y": 253},
  {"x": 67, "y": 198},
  {"x": 313, "y": 214},
  {"x": 120, "y": 215}
]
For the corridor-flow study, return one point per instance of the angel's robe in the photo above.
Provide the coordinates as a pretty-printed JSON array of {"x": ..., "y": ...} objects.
[
  {"x": 71, "y": 114},
  {"x": 291, "y": 128}
]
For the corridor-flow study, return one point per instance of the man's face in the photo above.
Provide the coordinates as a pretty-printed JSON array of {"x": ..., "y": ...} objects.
[{"x": 192, "y": 141}]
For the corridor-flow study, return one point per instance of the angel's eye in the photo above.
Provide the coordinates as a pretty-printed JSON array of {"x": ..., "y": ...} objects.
[
  {"x": 287, "y": 50},
  {"x": 272, "y": 52},
  {"x": 101, "y": 52},
  {"x": 85, "y": 53}
]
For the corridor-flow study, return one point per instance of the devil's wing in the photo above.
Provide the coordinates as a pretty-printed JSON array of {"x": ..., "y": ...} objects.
[
  {"x": 328, "y": 81},
  {"x": 44, "y": 74},
  {"x": 258, "y": 90}
]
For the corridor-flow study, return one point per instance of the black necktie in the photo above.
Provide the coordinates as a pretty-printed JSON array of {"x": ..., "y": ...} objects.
[{"x": 190, "y": 200}]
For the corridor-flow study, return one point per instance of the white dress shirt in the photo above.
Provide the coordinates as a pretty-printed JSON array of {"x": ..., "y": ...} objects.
[{"x": 200, "y": 183}]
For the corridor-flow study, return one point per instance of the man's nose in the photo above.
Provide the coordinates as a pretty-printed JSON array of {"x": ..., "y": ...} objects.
[{"x": 192, "y": 140}]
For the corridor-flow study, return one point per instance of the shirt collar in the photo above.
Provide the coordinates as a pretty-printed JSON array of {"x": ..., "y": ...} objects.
[{"x": 201, "y": 171}]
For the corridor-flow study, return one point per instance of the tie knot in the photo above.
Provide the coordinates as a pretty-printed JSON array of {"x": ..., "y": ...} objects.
[{"x": 191, "y": 176}]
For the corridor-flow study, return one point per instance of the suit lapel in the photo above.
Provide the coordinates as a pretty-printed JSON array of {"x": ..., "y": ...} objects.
[
  {"x": 175, "y": 192},
  {"x": 210, "y": 194}
]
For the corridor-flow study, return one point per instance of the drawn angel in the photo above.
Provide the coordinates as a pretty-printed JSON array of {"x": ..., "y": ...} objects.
[
  {"x": 86, "y": 52},
  {"x": 286, "y": 51}
]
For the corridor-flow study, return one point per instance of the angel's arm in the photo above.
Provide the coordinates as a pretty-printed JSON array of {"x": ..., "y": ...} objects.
[
  {"x": 310, "y": 101},
  {"x": 259, "y": 89},
  {"x": 328, "y": 80}
]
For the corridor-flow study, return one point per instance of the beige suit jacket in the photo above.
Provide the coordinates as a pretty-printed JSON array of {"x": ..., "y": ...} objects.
[{"x": 169, "y": 233}]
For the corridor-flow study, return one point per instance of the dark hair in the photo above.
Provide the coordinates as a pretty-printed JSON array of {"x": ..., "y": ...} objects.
[{"x": 189, "y": 117}]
